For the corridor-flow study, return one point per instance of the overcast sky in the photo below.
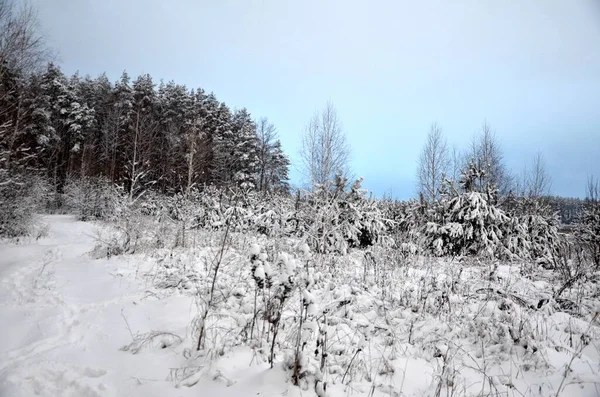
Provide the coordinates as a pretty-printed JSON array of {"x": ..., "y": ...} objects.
[{"x": 530, "y": 68}]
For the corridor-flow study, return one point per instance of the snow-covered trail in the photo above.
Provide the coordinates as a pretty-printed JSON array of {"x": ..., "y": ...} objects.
[{"x": 62, "y": 317}]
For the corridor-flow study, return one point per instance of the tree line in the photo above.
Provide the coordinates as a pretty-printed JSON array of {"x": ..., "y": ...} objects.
[{"x": 134, "y": 132}]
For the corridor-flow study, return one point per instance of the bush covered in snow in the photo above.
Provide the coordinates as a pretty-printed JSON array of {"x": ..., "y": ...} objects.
[
  {"x": 533, "y": 231},
  {"x": 93, "y": 198},
  {"x": 336, "y": 220},
  {"x": 21, "y": 198},
  {"x": 468, "y": 225},
  {"x": 329, "y": 221},
  {"x": 588, "y": 230},
  {"x": 471, "y": 222}
]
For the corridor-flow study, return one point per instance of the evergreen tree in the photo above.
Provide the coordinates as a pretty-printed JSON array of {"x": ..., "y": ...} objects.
[
  {"x": 242, "y": 146},
  {"x": 97, "y": 94},
  {"x": 141, "y": 142},
  {"x": 215, "y": 120},
  {"x": 277, "y": 176},
  {"x": 466, "y": 223},
  {"x": 176, "y": 112},
  {"x": 115, "y": 127},
  {"x": 59, "y": 122}
]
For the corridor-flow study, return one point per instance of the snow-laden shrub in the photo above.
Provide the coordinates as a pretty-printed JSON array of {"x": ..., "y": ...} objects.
[
  {"x": 211, "y": 207},
  {"x": 471, "y": 222},
  {"x": 274, "y": 215},
  {"x": 335, "y": 220},
  {"x": 588, "y": 230},
  {"x": 329, "y": 220},
  {"x": 134, "y": 226},
  {"x": 93, "y": 198},
  {"x": 407, "y": 218},
  {"x": 469, "y": 225},
  {"x": 282, "y": 284},
  {"x": 533, "y": 231},
  {"x": 21, "y": 197},
  {"x": 197, "y": 207}
]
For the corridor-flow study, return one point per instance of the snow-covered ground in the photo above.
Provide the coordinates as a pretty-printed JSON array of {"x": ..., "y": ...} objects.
[
  {"x": 72, "y": 325},
  {"x": 63, "y": 324}
]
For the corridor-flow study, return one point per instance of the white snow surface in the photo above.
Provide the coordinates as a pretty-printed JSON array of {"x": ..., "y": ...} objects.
[
  {"x": 69, "y": 325},
  {"x": 62, "y": 326}
]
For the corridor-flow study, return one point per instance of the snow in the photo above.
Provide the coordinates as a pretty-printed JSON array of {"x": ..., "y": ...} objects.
[
  {"x": 259, "y": 273},
  {"x": 73, "y": 325},
  {"x": 65, "y": 315},
  {"x": 254, "y": 249}
]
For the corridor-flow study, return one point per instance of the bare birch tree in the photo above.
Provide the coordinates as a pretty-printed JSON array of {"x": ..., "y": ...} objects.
[
  {"x": 456, "y": 163},
  {"x": 487, "y": 154},
  {"x": 433, "y": 163},
  {"x": 592, "y": 191},
  {"x": 22, "y": 48},
  {"x": 324, "y": 151},
  {"x": 537, "y": 180},
  {"x": 22, "y": 51}
]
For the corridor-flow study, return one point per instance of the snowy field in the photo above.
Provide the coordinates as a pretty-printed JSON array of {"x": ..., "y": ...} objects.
[{"x": 76, "y": 321}]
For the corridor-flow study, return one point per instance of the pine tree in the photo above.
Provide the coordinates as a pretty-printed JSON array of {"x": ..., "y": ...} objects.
[
  {"x": 486, "y": 152},
  {"x": 177, "y": 111},
  {"x": 39, "y": 123},
  {"x": 143, "y": 129},
  {"x": 278, "y": 172},
  {"x": 243, "y": 146},
  {"x": 97, "y": 93},
  {"x": 216, "y": 120},
  {"x": 81, "y": 122},
  {"x": 115, "y": 127},
  {"x": 466, "y": 223},
  {"x": 59, "y": 121}
]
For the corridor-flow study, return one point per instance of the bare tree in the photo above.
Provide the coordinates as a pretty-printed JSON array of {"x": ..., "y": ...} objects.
[
  {"x": 537, "y": 182},
  {"x": 324, "y": 151},
  {"x": 433, "y": 163},
  {"x": 487, "y": 154},
  {"x": 456, "y": 162},
  {"x": 593, "y": 189},
  {"x": 22, "y": 51},
  {"x": 22, "y": 48}
]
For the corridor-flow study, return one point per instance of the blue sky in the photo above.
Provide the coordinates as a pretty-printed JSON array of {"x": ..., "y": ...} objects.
[{"x": 530, "y": 68}]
